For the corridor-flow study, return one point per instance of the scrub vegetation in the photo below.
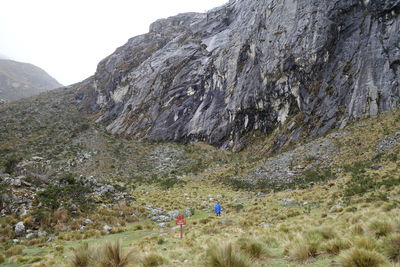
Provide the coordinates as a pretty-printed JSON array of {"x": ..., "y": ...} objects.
[{"x": 340, "y": 209}]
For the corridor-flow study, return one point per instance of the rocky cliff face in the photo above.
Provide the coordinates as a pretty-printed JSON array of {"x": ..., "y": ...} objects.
[
  {"x": 19, "y": 80},
  {"x": 252, "y": 65}
]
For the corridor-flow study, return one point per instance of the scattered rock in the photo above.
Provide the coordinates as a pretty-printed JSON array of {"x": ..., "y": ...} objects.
[
  {"x": 173, "y": 214},
  {"x": 336, "y": 208},
  {"x": 107, "y": 228},
  {"x": 30, "y": 235},
  {"x": 161, "y": 218},
  {"x": 266, "y": 224},
  {"x": 188, "y": 213},
  {"x": 20, "y": 229},
  {"x": 288, "y": 203},
  {"x": 162, "y": 225},
  {"x": 260, "y": 195},
  {"x": 41, "y": 233},
  {"x": 15, "y": 241},
  {"x": 87, "y": 222},
  {"x": 156, "y": 212},
  {"x": 387, "y": 143},
  {"x": 50, "y": 239}
]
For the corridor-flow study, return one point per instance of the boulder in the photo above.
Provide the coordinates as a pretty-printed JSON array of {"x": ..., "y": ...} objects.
[
  {"x": 188, "y": 213},
  {"x": 266, "y": 224},
  {"x": 107, "y": 228},
  {"x": 87, "y": 222},
  {"x": 30, "y": 235},
  {"x": 19, "y": 229},
  {"x": 161, "y": 219},
  {"x": 288, "y": 202},
  {"x": 41, "y": 233},
  {"x": 156, "y": 212},
  {"x": 173, "y": 214}
]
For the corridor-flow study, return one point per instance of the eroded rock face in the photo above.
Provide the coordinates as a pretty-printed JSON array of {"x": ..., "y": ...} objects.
[{"x": 252, "y": 65}]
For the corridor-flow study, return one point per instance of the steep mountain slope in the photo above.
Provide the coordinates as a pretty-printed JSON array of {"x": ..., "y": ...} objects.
[
  {"x": 19, "y": 80},
  {"x": 252, "y": 65},
  {"x": 69, "y": 181}
]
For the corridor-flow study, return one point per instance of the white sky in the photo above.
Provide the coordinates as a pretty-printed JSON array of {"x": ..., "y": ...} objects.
[{"x": 67, "y": 38}]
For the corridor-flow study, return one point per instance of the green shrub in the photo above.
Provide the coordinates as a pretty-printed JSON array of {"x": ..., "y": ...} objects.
[
  {"x": 53, "y": 196},
  {"x": 10, "y": 164},
  {"x": 224, "y": 256},
  {"x": 67, "y": 178},
  {"x": 357, "y": 257}
]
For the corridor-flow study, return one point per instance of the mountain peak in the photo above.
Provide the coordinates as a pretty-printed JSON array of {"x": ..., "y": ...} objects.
[{"x": 20, "y": 80}]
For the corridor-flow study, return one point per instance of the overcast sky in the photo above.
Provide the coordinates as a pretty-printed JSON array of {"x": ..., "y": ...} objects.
[{"x": 67, "y": 38}]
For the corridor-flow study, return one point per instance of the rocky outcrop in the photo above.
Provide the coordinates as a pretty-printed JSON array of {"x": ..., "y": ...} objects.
[
  {"x": 252, "y": 65},
  {"x": 20, "y": 80}
]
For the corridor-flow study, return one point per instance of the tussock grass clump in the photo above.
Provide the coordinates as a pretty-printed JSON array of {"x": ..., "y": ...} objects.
[
  {"x": 357, "y": 229},
  {"x": 357, "y": 257},
  {"x": 82, "y": 256},
  {"x": 380, "y": 228},
  {"x": 309, "y": 245},
  {"x": 271, "y": 242},
  {"x": 252, "y": 247},
  {"x": 301, "y": 250},
  {"x": 225, "y": 256},
  {"x": 2, "y": 259},
  {"x": 109, "y": 255},
  {"x": 391, "y": 247},
  {"x": 335, "y": 246},
  {"x": 113, "y": 256},
  {"x": 365, "y": 242},
  {"x": 152, "y": 260},
  {"x": 321, "y": 232}
]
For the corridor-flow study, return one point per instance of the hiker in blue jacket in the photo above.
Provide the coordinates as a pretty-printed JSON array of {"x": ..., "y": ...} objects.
[{"x": 217, "y": 209}]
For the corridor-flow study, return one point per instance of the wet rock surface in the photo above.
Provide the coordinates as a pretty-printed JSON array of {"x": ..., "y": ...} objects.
[{"x": 251, "y": 65}]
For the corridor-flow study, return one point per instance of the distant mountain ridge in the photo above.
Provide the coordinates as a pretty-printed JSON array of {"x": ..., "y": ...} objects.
[{"x": 19, "y": 80}]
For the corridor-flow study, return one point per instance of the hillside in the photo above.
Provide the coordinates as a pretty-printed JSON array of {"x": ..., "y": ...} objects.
[
  {"x": 286, "y": 112},
  {"x": 19, "y": 80},
  {"x": 295, "y": 207}
]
